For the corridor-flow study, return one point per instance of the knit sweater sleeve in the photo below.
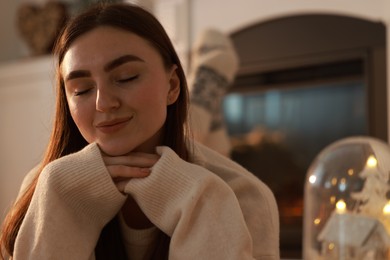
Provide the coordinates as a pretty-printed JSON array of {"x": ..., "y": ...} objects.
[
  {"x": 73, "y": 200},
  {"x": 196, "y": 208}
]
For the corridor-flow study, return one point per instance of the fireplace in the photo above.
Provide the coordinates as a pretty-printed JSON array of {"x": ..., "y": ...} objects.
[{"x": 304, "y": 82}]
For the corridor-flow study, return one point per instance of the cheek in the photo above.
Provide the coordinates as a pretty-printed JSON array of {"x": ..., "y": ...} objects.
[
  {"x": 156, "y": 95},
  {"x": 156, "y": 105},
  {"x": 80, "y": 115},
  {"x": 77, "y": 117},
  {"x": 151, "y": 97}
]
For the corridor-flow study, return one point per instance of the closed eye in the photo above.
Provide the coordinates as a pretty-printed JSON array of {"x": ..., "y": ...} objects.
[
  {"x": 127, "y": 79},
  {"x": 79, "y": 93}
]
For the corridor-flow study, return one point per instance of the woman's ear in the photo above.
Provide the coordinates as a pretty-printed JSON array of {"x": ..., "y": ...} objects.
[{"x": 174, "y": 86}]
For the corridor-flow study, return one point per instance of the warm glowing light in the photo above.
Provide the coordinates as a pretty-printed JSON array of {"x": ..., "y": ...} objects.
[
  {"x": 341, "y": 206},
  {"x": 371, "y": 161},
  {"x": 312, "y": 179},
  {"x": 332, "y": 199},
  {"x": 331, "y": 246},
  {"x": 343, "y": 184},
  {"x": 350, "y": 172},
  {"x": 386, "y": 208},
  {"x": 317, "y": 221},
  {"x": 334, "y": 181}
]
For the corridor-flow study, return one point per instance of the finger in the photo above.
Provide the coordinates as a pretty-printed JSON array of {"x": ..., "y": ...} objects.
[
  {"x": 121, "y": 185},
  {"x": 142, "y": 160},
  {"x": 122, "y": 171}
]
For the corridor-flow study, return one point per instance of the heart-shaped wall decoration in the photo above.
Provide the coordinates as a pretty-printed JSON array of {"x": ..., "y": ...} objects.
[{"x": 40, "y": 25}]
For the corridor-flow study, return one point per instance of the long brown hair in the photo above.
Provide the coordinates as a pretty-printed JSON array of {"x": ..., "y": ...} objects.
[{"x": 66, "y": 138}]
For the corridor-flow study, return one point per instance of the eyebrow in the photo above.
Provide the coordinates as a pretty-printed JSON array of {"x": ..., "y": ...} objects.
[
  {"x": 121, "y": 60},
  {"x": 78, "y": 74},
  {"x": 108, "y": 67}
]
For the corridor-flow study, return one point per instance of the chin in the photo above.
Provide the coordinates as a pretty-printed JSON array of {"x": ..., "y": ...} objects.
[
  {"x": 123, "y": 146},
  {"x": 115, "y": 150}
]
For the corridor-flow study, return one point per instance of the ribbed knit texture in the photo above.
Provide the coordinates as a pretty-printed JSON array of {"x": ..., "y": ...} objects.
[
  {"x": 74, "y": 198},
  {"x": 211, "y": 208},
  {"x": 197, "y": 207},
  {"x": 84, "y": 183}
]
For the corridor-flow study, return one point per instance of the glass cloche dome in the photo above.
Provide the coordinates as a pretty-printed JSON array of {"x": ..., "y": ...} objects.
[{"x": 347, "y": 201}]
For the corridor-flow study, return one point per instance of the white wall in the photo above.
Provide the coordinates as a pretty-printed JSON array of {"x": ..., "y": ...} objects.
[{"x": 26, "y": 105}]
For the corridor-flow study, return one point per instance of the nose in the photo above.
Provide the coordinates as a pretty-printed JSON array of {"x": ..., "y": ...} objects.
[{"x": 107, "y": 100}]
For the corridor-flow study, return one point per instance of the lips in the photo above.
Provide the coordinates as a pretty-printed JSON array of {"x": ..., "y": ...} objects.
[{"x": 112, "y": 126}]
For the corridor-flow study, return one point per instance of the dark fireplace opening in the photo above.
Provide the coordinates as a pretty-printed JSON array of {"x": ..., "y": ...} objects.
[
  {"x": 302, "y": 75},
  {"x": 293, "y": 96},
  {"x": 276, "y": 132}
]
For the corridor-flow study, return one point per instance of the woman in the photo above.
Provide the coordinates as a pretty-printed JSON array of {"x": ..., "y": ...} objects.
[{"x": 120, "y": 178}]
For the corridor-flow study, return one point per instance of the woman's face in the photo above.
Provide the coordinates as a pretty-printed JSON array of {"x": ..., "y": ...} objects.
[{"x": 118, "y": 90}]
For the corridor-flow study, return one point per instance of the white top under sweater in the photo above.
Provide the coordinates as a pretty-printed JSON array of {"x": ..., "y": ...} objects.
[
  {"x": 212, "y": 208},
  {"x": 137, "y": 242}
]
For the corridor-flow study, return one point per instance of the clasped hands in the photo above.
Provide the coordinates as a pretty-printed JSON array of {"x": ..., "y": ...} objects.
[{"x": 132, "y": 165}]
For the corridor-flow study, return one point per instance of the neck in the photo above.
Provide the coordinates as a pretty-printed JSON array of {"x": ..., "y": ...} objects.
[
  {"x": 133, "y": 215},
  {"x": 150, "y": 145}
]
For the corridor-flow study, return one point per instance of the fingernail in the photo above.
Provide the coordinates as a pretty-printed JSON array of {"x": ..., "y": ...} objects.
[{"x": 146, "y": 170}]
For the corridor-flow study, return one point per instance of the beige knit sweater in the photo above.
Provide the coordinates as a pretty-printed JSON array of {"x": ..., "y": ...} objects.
[{"x": 211, "y": 208}]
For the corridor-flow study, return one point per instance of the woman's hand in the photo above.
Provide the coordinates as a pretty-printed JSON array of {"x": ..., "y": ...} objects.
[{"x": 133, "y": 165}]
